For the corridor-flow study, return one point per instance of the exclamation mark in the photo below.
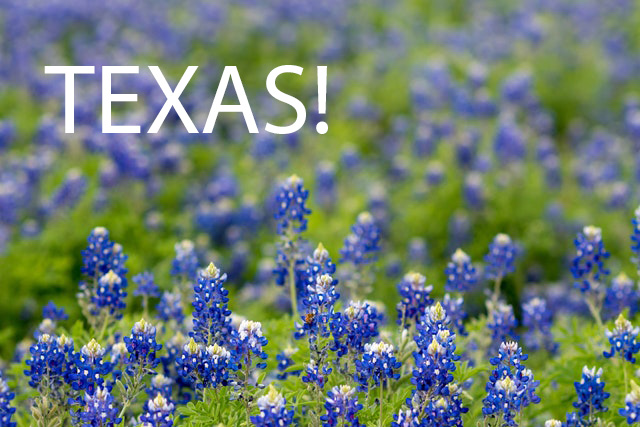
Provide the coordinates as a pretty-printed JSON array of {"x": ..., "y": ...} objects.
[{"x": 322, "y": 127}]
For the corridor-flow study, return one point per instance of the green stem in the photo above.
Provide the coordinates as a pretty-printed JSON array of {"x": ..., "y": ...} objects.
[
  {"x": 380, "y": 403},
  {"x": 103, "y": 330},
  {"x": 595, "y": 312},
  {"x": 292, "y": 288},
  {"x": 496, "y": 291},
  {"x": 626, "y": 377}
]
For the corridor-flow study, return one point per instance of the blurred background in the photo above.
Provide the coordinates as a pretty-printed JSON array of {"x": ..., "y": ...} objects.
[{"x": 449, "y": 120}]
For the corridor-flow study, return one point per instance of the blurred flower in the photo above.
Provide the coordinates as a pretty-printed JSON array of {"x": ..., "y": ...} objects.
[
  {"x": 291, "y": 206},
  {"x": 588, "y": 265},
  {"x": 363, "y": 244},
  {"x": 461, "y": 274},
  {"x": 537, "y": 318}
]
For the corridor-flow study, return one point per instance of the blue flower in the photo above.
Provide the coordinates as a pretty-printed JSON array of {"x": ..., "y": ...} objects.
[
  {"x": 170, "y": 308},
  {"x": 315, "y": 374},
  {"x": 90, "y": 369},
  {"x": 146, "y": 285},
  {"x": 342, "y": 407},
  {"x": 50, "y": 311},
  {"x": 635, "y": 237},
  {"x": 461, "y": 274},
  {"x": 377, "y": 365},
  {"x": 273, "y": 411},
  {"x": 6, "y": 410},
  {"x": 158, "y": 412},
  {"x": 142, "y": 345},
  {"x": 291, "y": 206},
  {"x": 211, "y": 322},
  {"x": 435, "y": 354},
  {"x": 623, "y": 340},
  {"x": 319, "y": 302},
  {"x": 97, "y": 409},
  {"x": 415, "y": 298},
  {"x": 109, "y": 295},
  {"x": 160, "y": 385},
  {"x": 102, "y": 255},
  {"x": 285, "y": 362},
  {"x": 511, "y": 386},
  {"x": 620, "y": 295},
  {"x": 454, "y": 307},
  {"x": 355, "y": 327},
  {"x": 216, "y": 366},
  {"x": 591, "y": 396},
  {"x": 501, "y": 257},
  {"x": 363, "y": 244},
  {"x": 588, "y": 265},
  {"x": 48, "y": 362},
  {"x": 186, "y": 261},
  {"x": 445, "y": 410},
  {"x": 251, "y": 342},
  {"x": 537, "y": 318},
  {"x": 406, "y": 418},
  {"x": 502, "y": 323},
  {"x": 631, "y": 410}
]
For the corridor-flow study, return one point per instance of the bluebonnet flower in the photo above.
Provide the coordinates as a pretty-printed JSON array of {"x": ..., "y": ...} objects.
[
  {"x": 285, "y": 362},
  {"x": 291, "y": 206},
  {"x": 160, "y": 385},
  {"x": 635, "y": 237},
  {"x": 377, "y": 365},
  {"x": 315, "y": 374},
  {"x": 537, "y": 318},
  {"x": 188, "y": 364},
  {"x": 454, "y": 307},
  {"x": 321, "y": 297},
  {"x": 501, "y": 257},
  {"x": 158, "y": 412},
  {"x": 211, "y": 321},
  {"x": 502, "y": 323},
  {"x": 435, "y": 354},
  {"x": 363, "y": 244},
  {"x": 97, "y": 409},
  {"x": 6, "y": 410},
  {"x": 415, "y": 298},
  {"x": 47, "y": 365},
  {"x": 325, "y": 184},
  {"x": 170, "y": 307},
  {"x": 109, "y": 295},
  {"x": 588, "y": 265},
  {"x": 342, "y": 407},
  {"x": 474, "y": 190},
  {"x": 142, "y": 345},
  {"x": 50, "y": 311},
  {"x": 146, "y": 285},
  {"x": 461, "y": 274},
  {"x": 591, "y": 397},
  {"x": 90, "y": 368},
  {"x": 406, "y": 418},
  {"x": 251, "y": 341},
  {"x": 446, "y": 410},
  {"x": 185, "y": 263},
  {"x": 620, "y": 295},
  {"x": 273, "y": 411},
  {"x": 102, "y": 255},
  {"x": 355, "y": 327},
  {"x": 217, "y": 364},
  {"x": 511, "y": 386},
  {"x": 47, "y": 326},
  {"x": 623, "y": 340},
  {"x": 631, "y": 410}
]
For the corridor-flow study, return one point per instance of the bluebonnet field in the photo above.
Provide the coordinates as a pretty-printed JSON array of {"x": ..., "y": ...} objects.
[{"x": 461, "y": 248}]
